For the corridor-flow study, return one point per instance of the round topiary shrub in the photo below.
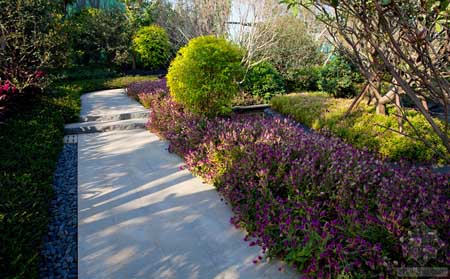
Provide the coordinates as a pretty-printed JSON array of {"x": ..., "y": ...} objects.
[
  {"x": 203, "y": 76},
  {"x": 152, "y": 46},
  {"x": 263, "y": 80}
]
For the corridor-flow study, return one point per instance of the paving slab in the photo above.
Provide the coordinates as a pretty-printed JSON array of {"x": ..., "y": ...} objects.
[
  {"x": 142, "y": 216},
  {"x": 106, "y": 102}
]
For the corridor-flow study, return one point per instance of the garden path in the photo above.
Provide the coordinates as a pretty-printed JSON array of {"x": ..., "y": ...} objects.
[{"x": 141, "y": 215}]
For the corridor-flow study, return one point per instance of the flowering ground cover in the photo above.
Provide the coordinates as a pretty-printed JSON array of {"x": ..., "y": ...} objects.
[{"x": 327, "y": 208}]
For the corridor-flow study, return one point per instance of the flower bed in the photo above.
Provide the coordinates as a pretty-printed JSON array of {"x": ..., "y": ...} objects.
[
  {"x": 328, "y": 209},
  {"x": 147, "y": 88}
]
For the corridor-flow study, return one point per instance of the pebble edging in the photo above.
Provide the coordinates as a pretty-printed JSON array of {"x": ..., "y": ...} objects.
[{"x": 59, "y": 250}]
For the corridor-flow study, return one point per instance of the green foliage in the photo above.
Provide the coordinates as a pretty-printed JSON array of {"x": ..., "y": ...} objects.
[
  {"x": 363, "y": 128},
  {"x": 151, "y": 43},
  {"x": 31, "y": 142},
  {"x": 264, "y": 81},
  {"x": 30, "y": 145},
  {"x": 339, "y": 78},
  {"x": 294, "y": 47},
  {"x": 203, "y": 76},
  {"x": 98, "y": 36},
  {"x": 29, "y": 40},
  {"x": 304, "y": 79}
]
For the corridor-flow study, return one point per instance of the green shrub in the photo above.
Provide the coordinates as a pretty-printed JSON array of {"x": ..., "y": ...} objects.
[
  {"x": 294, "y": 46},
  {"x": 363, "y": 128},
  {"x": 99, "y": 36},
  {"x": 264, "y": 81},
  {"x": 303, "y": 79},
  {"x": 203, "y": 76},
  {"x": 151, "y": 43},
  {"x": 339, "y": 78},
  {"x": 30, "y": 41}
]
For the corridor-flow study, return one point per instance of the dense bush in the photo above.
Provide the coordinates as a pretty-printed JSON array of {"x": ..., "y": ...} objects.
[
  {"x": 304, "y": 79},
  {"x": 30, "y": 41},
  {"x": 294, "y": 48},
  {"x": 264, "y": 81},
  {"x": 326, "y": 208},
  {"x": 204, "y": 75},
  {"x": 364, "y": 129},
  {"x": 151, "y": 43},
  {"x": 339, "y": 78},
  {"x": 99, "y": 36},
  {"x": 30, "y": 144}
]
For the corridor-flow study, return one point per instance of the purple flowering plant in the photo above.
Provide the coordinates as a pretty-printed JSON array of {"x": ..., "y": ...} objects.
[
  {"x": 323, "y": 206},
  {"x": 146, "y": 90}
]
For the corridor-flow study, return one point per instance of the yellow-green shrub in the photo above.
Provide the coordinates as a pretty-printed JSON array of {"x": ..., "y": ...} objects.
[
  {"x": 203, "y": 76},
  {"x": 363, "y": 128},
  {"x": 151, "y": 43}
]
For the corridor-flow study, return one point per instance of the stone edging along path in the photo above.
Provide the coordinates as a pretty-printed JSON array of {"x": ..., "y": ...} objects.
[
  {"x": 59, "y": 252},
  {"x": 141, "y": 214}
]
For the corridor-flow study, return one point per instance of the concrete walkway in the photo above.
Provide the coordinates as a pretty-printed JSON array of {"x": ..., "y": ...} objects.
[{"x": 141, "y": 216}]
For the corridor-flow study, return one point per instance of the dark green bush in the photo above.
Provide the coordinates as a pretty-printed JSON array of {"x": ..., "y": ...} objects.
[
  {"x": 303, "y": 79},
  {"x": 204, "y": 75},
  {"x": 339, "y": 78},
  {"x": 30, "y": 41},
  {"x": 99, "y": 36},
  {"x": 31, "y": 142},
  {"x": 264, "y": 81},
  {"x": 151, "y": 43}
]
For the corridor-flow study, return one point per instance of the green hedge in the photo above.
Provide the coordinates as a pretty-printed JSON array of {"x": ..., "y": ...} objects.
[
  {"x": 30, "y": 143},
  {"x": 363, "y": 128}
]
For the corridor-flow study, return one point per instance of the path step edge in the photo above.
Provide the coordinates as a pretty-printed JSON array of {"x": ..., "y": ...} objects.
[
  {"x": 98, "y": 127},
  {"x": 114, "y": 117}
]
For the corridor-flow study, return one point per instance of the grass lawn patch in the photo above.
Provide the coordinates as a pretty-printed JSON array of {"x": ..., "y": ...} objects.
[{"x": 363, "y": 128}]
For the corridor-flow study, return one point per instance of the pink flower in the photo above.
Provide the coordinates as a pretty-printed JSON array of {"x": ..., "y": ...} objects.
[{"x": 39, "y": 74}]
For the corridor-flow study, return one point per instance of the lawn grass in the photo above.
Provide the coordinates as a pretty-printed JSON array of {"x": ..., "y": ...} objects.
[
  {"x": 30, "y": 143},
  {"x": 363, "y": 128}
]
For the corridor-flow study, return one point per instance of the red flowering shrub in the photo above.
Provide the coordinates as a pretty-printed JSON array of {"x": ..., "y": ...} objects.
[
  {"x": 325, "y": 207},
  {"x": 8, "y": 93}
]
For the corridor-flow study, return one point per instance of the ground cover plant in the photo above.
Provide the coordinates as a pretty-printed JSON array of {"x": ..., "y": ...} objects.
[
  {"x": 31, "y": 141},
  {"x": 363, "y": 128},
  {"x": 327, "y": 208}
]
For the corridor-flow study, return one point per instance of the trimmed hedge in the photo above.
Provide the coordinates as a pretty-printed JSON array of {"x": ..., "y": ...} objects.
[
  {"x": 31, "y": 142},
  {"x": 363, "y": 128},
  {"x": 328, "y": 209}
]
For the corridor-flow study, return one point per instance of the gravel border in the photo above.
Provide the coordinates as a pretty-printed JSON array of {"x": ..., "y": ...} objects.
[{"x": 59, "y": 254}]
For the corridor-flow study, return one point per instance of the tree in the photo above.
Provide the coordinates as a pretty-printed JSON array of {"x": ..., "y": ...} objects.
[
  {"x": 255, "y": 28},
  {"x": 405, "y": 44},
  {"x": 29, "y": 40}
]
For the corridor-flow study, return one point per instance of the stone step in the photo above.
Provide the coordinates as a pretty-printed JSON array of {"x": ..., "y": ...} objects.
[
  {"x": 97, "y": 127},
  {"x": 115, "y": 117}
]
